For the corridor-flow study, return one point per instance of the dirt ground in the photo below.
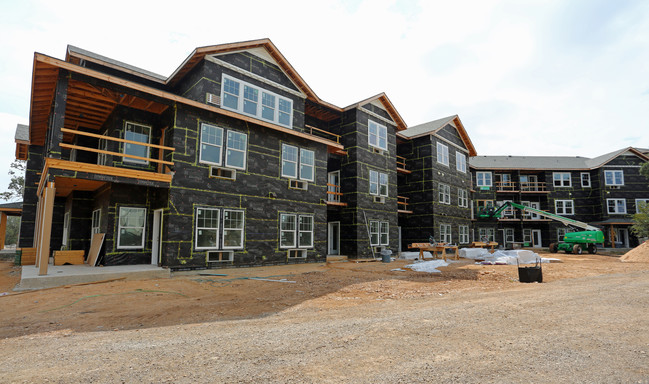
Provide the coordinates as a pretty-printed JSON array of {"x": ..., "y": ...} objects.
[{"x": 343, "y": 292}]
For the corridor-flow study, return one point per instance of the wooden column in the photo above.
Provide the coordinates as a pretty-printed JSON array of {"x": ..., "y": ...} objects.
[
  {"x": 3, "y": 229},
  {"x": 45, "y": 228}
]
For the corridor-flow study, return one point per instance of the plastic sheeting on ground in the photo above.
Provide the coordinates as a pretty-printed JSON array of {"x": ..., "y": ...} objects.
[
  {"x": 414, "y": 255},
  {"x": 427, "y": 266},
  {"x": 499, "y": 257}
]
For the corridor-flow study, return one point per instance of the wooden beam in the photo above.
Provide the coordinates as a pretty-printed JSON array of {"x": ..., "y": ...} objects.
[
  {"x": 3, "y": 229},
  {"x": 43, "y": 247},
  {"x": 72, "y": 146},
  {"x": 106, "y": 170},
  {"x": 116, "y": 139}
]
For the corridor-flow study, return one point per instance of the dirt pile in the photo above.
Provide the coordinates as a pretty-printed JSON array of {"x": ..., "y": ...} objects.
[{"x": 637, "y": 254}]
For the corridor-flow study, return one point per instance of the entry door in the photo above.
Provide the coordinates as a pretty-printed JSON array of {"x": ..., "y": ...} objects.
[
  {"x": 536, "y": 238},
  {"x": 156, "y": 240},
  {"x": 334, "y": 238},
  {"x": 622, "y": 236},
  {"x": 537, "y": 205}
]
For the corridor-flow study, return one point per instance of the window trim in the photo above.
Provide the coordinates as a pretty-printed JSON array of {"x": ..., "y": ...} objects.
[
  {"x": 218, "y": 229},
  {"x": 148, "y": 141},
  {"x": 561, "y": 180},
  {"x": 613, "y": 171},
  {"x": 300, "y": 231},
  {"x": 295, "y": 163},
  {"x": 294, "y": 230},
  {"x": 442, "y": 197},
  {"x": 119, "y": 228},
  {"x": 489, "y": 233},
  {"x": 463, "y": 237},
  {"x": 244, "y": 151},
  {"x": 243, "y": 228},
  {"x": 302, "y": 164},
  {"x": 446, "y": 233},
  {"x": 572, "y": 207},
  {"x": 608, "y": 206},
  {"x": 378, "y": 183},
  {"x": 460, "y": 165},
  {"x": 386, "y": 233},
  {"x": 92, "y": 222},
  {"x": 581, "y": 176},
  {"x": 443, "y": 151},
  {"x": 484, "y": 179},
  {"x": 200, "y": 149},
  {"x": 380, "y": 128},
  {"x": 462, "y": 198},
  {"x": 258, "y": 111}
]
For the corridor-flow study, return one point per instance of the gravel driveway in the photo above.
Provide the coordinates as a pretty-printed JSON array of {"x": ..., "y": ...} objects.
[{"x": 593, "y": 329}]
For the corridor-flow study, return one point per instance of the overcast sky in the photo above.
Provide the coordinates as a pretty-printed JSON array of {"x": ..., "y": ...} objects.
[{"x": 563, "y": 78}]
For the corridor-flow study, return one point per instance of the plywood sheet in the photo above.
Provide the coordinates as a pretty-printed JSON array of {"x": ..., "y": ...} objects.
[{"x": 95, "y": 247}]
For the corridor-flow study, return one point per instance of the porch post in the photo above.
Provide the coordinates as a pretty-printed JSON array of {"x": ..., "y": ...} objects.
[
  {"x": 612, "y": 236},
  {"x": 45, "y": 228},
  {"x": 3, "y": 230}
]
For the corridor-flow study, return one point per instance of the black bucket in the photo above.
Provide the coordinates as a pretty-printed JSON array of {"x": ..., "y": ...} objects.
[{"x": 531, "y": 274}]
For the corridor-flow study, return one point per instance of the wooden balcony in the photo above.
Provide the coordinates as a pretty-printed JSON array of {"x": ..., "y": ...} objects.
[
  {"x": 314, "y": 131},
  {"x": 73, "y": 175},
  {"x": 401, "y": 165},
  {"x": 334, "y": 195},
  {"x": 533, "y": 187},
  {"x": 402, "y": 204},
  {"x": 506, "y": 187}
]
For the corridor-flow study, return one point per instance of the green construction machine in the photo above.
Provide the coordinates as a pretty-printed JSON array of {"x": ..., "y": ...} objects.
[{"x": 573, "y": 242}]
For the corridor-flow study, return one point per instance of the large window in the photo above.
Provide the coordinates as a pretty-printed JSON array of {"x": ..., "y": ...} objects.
[
  {"x": 462, "y": 198},
  {"x": 615, "y": 178},
  {"x": 561, "y": 179},
  {"x": 464, "y": 234},
  {"x": 442, "y": 154},
  {"x": 487, "y": 234},
  {"x": 616, "y": 205},
  {"x": 211, "y": 151},
  {"x": 252, "y": 100},
  {"x": 564, "y": 207},
  {"x": 379, "y": 233},
  {"x": 291, "y": 159},
  {"x": 445, "y": 233},
  {"x": 483, "y": 179},
  {"x": 377, "y": 135},
  {"x": 139, "y": 133},
  {"x": 295, "y": 231},
  {"x": 378, "y": 183},
  {"x": 585, "y": 180},
  {"x": 130, "y": 233},
  {"x": 444, "y": 194},
  {"x": 460, "y": 161},
  {"x": 212, "y": 233}
]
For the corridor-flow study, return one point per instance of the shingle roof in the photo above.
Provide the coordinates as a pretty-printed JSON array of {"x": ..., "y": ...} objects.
[
  {"x": 546, "y": 162},
  {"x": 429, "y": 127},
  {"x": 14, "y": 205},
  {"x": 22, "y": 132},
  {"x": 114, "y": 62}
]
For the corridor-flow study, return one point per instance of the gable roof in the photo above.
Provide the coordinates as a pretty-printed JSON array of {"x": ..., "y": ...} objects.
[
  {"x": 389, "y": 108},
  {"x": 432, "y": 127},
  {"x": 75, "y": 55},
  {"x": 549, "y": 162}
]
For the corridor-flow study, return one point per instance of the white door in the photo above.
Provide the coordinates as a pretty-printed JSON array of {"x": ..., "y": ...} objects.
[
  {"x": 536, "y": 238},
  {"x": 622, "y": 236},
  {"x": 156, "y": 240},
  {"x": 537, "y": 205},
  {"x": 334, "y": 238}
]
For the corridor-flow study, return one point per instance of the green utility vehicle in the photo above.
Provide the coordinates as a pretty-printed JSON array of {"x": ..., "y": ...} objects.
[{"x": 573, "y": 242}]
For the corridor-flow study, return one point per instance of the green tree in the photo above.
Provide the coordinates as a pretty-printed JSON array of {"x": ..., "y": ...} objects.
[
  {"x": 17, "y": 183},
  {"x": 13, "y": 227},
  {"x": 644, "y": 170},
  {"x": 640, "y": 227}
]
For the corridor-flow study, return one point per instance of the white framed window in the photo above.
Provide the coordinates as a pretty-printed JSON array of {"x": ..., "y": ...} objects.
[
  {"x": 374, "y": 233},
  {"x": 527, "y": 237},
  {"x": 445, "y": 233},
  {"x": 444, "y": 194},
  {"x": 139, "y": 133},
  {"x": 130, "y": 234},
  {"x": 384, "y": 233},
  {"x": 561, "y": 232},
  {"x": 561, "y": 179},
  {"x": 615, "y": 178},
  {"x": 378, "y": 183},
  {"x": 509, "y": 235},
  {"x": 483, "y": 179},
  {"x": 464, "y": 234},
  {"x": 211, "y": 149},
  {"x": 287, "y": 230},
  {"x": 233, "y": 226},
  {"x": 585, "y": 180},
  {"x": 442, "y": 154},
  {"x": 102, "y": 158},
  {"x": 616, "y": 205},
  {"x": 243, "y": 97},
  {"x": 207, "y": 228},
  {"x": 462, "y": 198},
  {"x": 291, "y": 159},
  {"x": 564, "y": 207},
  {"x": 305, "y": 236},
  {"x": 374, "y": 182},
  {"x": 460, "y": 161},
  {"x": 639, "y": 203},
  {"x": 377, "y": 135},
  {"x": 509, "y": 211},
  {"x": 296, "y": 230},
  {"x": 383, "y": 184},
  {"x": 307, "y": 164},
  {"x": 96, "y": 221},
  {"x": 66, "y": 229},
  {"x": 487, "y": 234}
]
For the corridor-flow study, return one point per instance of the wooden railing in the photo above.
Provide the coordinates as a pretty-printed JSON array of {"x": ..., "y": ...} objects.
[
  {"x": 402, "y": 204},
  {"x": 334, "y": 195},
  {"x": 506, "y": 186},
  {"x": 533, "y": 186},
  {"x": 401, "y": 165},
  {"x": 322, "y": 133}
]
